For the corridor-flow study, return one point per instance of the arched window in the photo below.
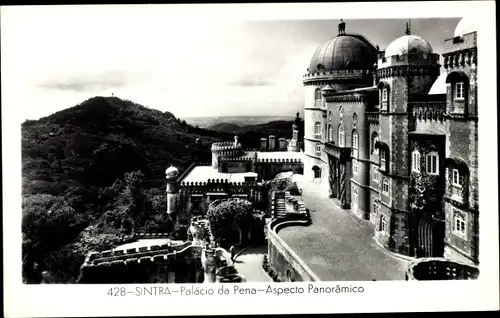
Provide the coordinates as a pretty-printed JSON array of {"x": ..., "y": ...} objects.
[
  {"x": 330, "y": 132},
  {"x": 317, "y": 94},
  {"x": 355, "y": 137},
  {"x": 374, "y": 140},
  {"x": 385, "y": 186},
  {"x": 415, "y": 161},
  {"x": 383, "y": 223},
  {"x": 317, "y": 172},
  {"x": 354, "y": 143},
  {"x": 317, "y": 130},
  {"x": 432, "y": 163},
  {"x": 384, "y": 94},
  {"x": 341, "y": 136}
]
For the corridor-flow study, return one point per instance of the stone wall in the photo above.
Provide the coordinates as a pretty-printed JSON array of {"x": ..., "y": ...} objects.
[
  {"x": 154, "y": 264},
  {"x": 282, "y": 258}
]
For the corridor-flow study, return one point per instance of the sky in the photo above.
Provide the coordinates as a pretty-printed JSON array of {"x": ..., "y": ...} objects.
[{"x": 56, "y": 57}]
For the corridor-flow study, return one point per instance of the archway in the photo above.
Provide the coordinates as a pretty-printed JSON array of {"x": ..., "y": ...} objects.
[{"x": 316, "y": 172}]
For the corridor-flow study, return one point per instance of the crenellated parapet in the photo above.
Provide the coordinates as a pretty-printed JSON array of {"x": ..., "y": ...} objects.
[
  {"x": 279, "y": 160},
  {"x": 408, "y": 70},
  {"x": 235, "y": 159},
  {"x": 157, "y": 263},
  {"x": 218, "y": 183},
  {"x": 135, "y": 253},
  {"x": 329, "y": 75}
]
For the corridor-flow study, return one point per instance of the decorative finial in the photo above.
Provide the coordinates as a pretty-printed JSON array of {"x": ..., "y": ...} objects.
[
  {"x": 341, "y": 27},
  {"x": 408, "y": 27}
]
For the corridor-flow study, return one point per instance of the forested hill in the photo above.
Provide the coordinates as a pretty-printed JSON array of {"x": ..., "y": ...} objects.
[
  {"x": 94, "y": 172},
  {"x": 101, "y": 139}
]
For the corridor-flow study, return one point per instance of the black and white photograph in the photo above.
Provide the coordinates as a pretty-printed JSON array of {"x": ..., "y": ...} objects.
[{"x": 161, "y": 152}]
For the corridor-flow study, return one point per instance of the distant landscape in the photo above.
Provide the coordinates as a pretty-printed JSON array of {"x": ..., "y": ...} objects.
[{"x": 240, "y": 121}]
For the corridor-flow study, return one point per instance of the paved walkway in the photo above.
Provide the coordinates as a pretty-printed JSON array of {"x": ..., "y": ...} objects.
[
  {"x": 249, "y": 264},
  {"x": 339, "y": 246}
]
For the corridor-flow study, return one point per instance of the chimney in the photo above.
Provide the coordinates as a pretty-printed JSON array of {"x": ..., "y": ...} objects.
[
  {"x": 272, "y": 142},
  {"x": 282, "y": 144},
  {"x": 263, "y": 144}
]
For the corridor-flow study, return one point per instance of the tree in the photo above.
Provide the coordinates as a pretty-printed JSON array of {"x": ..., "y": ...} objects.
[
  {"x": 48, "y": 223},
  {"x": 230, "y": 217}
]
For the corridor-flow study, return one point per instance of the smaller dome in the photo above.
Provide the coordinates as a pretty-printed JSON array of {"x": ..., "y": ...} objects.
[
  {"x": 172, "y": 172},
  {"x": 439, "y": 86},
  {"x": 408, "y": 44},
  {"x": 466, "y": 25}
]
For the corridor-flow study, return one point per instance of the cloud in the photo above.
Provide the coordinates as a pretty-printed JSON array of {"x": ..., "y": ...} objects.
[{"x": 251, "y": 82}]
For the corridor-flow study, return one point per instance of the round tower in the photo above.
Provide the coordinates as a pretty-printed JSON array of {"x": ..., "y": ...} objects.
[
  {"x": 171, "y": 174},
  {"x": 406, "y": 71},
  {"x": 342, "y": 63}
]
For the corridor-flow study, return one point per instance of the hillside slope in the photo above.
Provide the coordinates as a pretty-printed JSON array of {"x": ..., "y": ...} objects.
[{"x": 95, "y": 172}]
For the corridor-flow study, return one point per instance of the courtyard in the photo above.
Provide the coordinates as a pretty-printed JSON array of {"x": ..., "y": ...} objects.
[{"x": 339, "y": 246}]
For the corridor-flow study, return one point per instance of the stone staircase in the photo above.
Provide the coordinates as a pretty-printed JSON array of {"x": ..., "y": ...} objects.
[{"x": 279, "y": 206}]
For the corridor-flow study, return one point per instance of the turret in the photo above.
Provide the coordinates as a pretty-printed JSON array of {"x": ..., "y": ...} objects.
[{"x": 171, "y": 174}]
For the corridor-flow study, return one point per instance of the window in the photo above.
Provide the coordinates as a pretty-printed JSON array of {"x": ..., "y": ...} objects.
[
  {"x": 341, "y": 136},
  {"x": 355, "y": 167},
  {"x": 384, "y": 95},
  {"x": 459, "y": 90},
  {"x": 355, "y": 139},
  {"x": 375, "y": 174},
  {"x": 385, "y": 186},
  {"x": 382, "y": 160},
  {"x": 456, "y": 178},
  {"x": 330, "y": 133},
  {"x": 374, "y": 141},
  {"x": 317, "y": 172},
  {"x": 415, "y": 164},
  {"x": 459, "y": 223},
  {"x": 317, "y": 94},
  {"x": 375, "y": 206},
  {"x": 318, "y": 149},
  {"x": 432, "y": 163},
  {"x": 317, "y": 130},
  {"x": 383, "y": 223}
]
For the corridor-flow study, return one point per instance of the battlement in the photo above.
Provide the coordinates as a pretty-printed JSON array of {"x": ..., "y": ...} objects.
[
  {"x": 225, "y": 145},
  {"x": 155, "y": 252},
  {"x": 279, "y": 160},
  {"x": 337, "y": 73},
  {"x": 244, "y": 159},
  {"x": 218, "y": 182}
]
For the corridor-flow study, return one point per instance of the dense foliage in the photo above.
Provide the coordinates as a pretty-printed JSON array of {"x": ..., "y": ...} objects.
[{"x": 230, "y": 220}]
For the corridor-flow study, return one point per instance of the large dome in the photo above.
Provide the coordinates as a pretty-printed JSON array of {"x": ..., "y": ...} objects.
[
  {"x": 344, "y": 52},
  {"x": 408, "y": 44},
  {"x": 466, "y": 25}
]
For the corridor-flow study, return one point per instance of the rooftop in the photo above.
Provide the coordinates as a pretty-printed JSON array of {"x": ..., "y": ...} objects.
[{"x": 203, "y": 173}]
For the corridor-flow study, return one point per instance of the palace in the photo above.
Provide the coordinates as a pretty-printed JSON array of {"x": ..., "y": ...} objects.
[
  {"x": 386, "y": 136},
  {"x": 396, "y": 142}
]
